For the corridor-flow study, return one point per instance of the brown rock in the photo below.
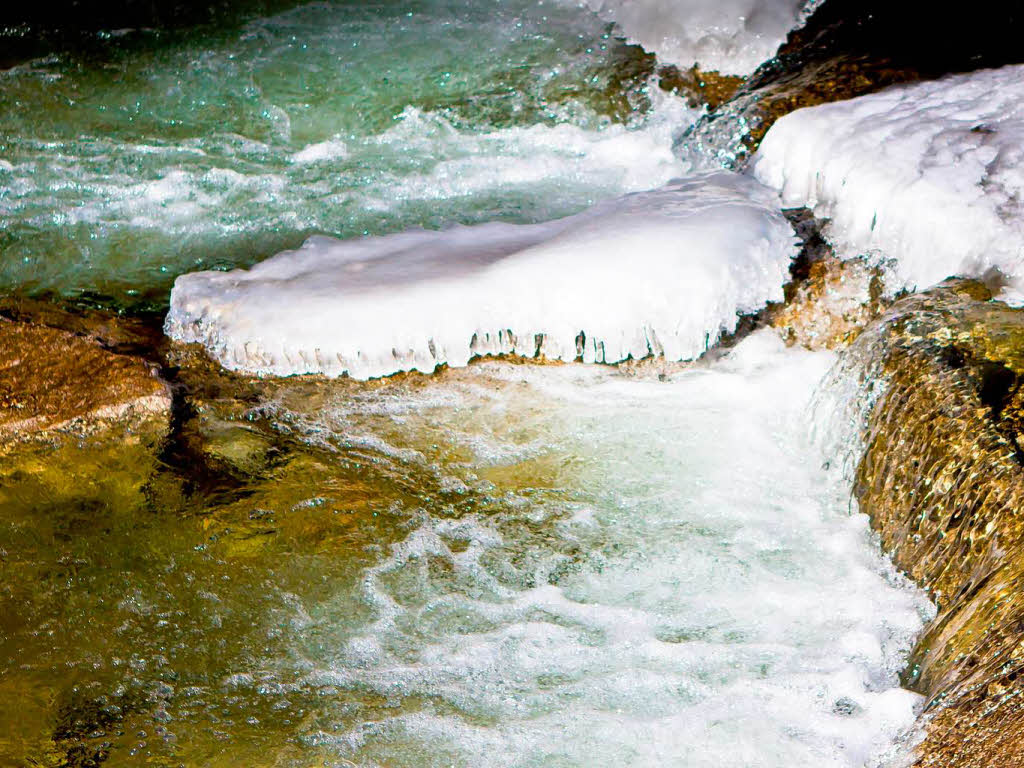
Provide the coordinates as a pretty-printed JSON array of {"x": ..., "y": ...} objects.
[
  {"x": 130, "y": 334},
  {"x": 732, "y": 131},
  {"x": 699, "y": 88},
  {"x": 54, "y": 381},
  {"x": 830, "y": 307},
  {"x": 942, "y": 478}
]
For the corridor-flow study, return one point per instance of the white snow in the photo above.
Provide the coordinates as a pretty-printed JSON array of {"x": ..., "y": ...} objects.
[
  {"x": 664, "y": 271},
  {"x": 728, "y": 36},
  {"x": 928, "y": 178}
]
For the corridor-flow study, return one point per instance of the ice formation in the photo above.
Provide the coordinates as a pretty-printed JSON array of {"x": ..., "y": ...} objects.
[
  {"x": 728, "y": 36},
  {"x": 513, "y": 110},
  {"x": 928, "y": 177},
  {"x": 664, "y": 271}
]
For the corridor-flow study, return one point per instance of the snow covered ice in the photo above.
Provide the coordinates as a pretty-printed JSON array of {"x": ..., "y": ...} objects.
[
  {"x": 729, "y": 36},
  {"x": 927, "y": 178},
  {"x": 664, "y": 272}
]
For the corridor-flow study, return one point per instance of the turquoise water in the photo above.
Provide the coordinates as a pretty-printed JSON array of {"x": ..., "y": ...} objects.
[{"x": 219, "y": 148}]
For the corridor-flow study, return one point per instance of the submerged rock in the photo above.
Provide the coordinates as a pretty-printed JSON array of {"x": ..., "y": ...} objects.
[
  {"x": 53, "y": 381},
  {"x": 829, "y": 307},
  {"x": 942, "y": 478},
  {"x": 699, "y": 88}
]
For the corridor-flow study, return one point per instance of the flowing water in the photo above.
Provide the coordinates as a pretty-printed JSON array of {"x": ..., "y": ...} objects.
[
  {"x": 499, "y": 565},
  {"x": 505, "y": 565},
  {"x": 120, "y": 171}
]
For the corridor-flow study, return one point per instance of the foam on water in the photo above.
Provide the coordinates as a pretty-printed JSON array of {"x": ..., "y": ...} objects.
[
  {"x": 663, "y": 272},
  {"x": 659, "y": 574},
  {"x": 221, "y": 148},
  {"x": 926, "y": 178}
]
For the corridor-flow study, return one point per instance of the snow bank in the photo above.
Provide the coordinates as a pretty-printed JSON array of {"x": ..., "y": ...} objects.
[
  {"x": 929, "y": 176},
  {"x": 728, "y": 36},
  {"x": 664, "y": 271}
]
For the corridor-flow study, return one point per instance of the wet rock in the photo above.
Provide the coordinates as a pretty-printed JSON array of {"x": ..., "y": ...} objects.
[
  {"x": 850, "y": 48},
  {"x": 942, "y": 478},
  {"x": 622, "y": 95},
  {"x": 829, "y": 307},
  {"x": 730, "y": 133},
  {"x": 699, "y": 88},
  {"x": 53, "y": 381},
  {"x": 138, "y": 334},
  {"x": 86, "y": 726},
  {"x": 218, "y": 430},
  {"x": 243, "y": 449},
  {"x": 827, "y": 302}
]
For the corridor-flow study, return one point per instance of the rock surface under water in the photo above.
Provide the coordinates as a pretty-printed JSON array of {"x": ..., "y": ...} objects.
[
  {"x": 941, "y": 377},
  {"x": 501, "y": 565},
  {"x": 53, "y": 381}
]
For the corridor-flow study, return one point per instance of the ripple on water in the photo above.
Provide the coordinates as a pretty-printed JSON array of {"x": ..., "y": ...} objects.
[
  {"x": 497, "y": 565},
  {"x": 219, "y": 148}
]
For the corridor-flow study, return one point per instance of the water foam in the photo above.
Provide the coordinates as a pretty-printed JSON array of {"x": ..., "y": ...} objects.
[
  {"x": 661, "y": 272},
  {"x": 681, "y": 584}
]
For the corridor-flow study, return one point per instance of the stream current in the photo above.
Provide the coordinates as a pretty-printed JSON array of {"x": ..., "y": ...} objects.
[
  {"x": 503, "y": 565},
  {"x": 121, "y": 169}
]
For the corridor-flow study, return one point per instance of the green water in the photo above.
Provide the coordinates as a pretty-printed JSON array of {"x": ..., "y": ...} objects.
[{"x": 121, "y": 169}]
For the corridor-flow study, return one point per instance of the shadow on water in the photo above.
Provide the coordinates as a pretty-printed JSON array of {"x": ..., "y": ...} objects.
[{"x": 103, "y": 30}]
